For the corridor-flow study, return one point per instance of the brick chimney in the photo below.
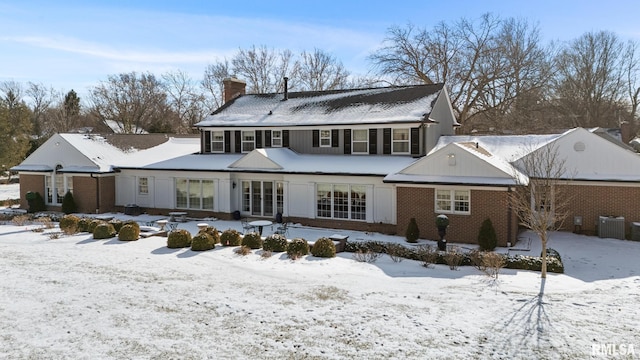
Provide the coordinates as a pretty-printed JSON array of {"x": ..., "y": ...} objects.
[
  {"x": 626, "y": 132},
  {"x": 233, "y": 88}
]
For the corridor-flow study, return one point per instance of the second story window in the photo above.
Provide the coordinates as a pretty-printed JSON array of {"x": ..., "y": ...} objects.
[
  {"x": 360, "y": 141},
  {"x": 217, "y": 141},
  {"x": 276, "y": 138},
  {"x": 325, "y": 138},
  {"x": 248, "y": 141},
  {"x": 400, "y": 141}
]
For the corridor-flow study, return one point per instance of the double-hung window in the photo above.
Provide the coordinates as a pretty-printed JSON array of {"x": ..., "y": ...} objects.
[
  {"x": 453, "y": 201},
  {"x": 400, "y": 141},
  {"x": 248, "y": 141},
  {"x": 325, "y": 138},
  {"x": 143, "y": 186},
  {"x": 360, "y": 141},
  {"x": 217, "y": 141},
  {"x": 276, "y": 138}
]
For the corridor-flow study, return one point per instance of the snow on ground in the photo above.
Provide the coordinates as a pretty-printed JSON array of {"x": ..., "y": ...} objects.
[
  {"x": 9, "y": 191},
  {"x": 80, "y": 298}
]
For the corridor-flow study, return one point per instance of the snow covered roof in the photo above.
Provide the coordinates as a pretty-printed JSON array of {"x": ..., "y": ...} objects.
[
  {"x": 337, "y": 107},
  {"x": 284, "y": 160}
]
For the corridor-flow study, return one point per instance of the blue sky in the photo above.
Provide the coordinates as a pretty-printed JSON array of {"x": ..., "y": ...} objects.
[{"x": 76, "y": 44}]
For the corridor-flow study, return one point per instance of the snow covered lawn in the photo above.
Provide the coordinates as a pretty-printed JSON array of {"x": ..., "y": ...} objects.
[{"x": 80, "y": 298}]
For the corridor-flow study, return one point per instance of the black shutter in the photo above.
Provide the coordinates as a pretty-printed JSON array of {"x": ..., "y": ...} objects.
[
  {"x": 315, "y": 141},
  {"x": 258, "y": 139},
  {"x": 238, "y": 142},
  {"x": 227, "y": 141},
  {"x": 415, "y": 141},
  {"x": 206, "y": 141},
  {"x": 285, "y": 138},
  {"x": 347, "y": 141},
  {"x": 335, "y": 138},
  {"x": 386, "y": 141},
  {"x": 373, "y": 141},
  {"x": 267, "y": 138}
]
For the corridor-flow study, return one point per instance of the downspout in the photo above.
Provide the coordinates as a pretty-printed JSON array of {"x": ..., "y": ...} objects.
[
  {"x": 509, "y": 220},
  {"x": 97, "y": 192}
]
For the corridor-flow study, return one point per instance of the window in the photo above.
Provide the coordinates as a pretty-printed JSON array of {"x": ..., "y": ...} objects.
[
  {"x": 194, "y": 194},
  {"x": 56, "y": 186},
  {"x": 325, "y": 138},
  {"x": 360, "y": 141},
  {"x": 217, "y": 141},
  {"x": 453, "y": 201},
  {"x": 400, "y": 140},
  {"x": 248, "y": 141},
  {"x": 143, "y": 186},
  {"x": 341, "y": 201},
  {"x": 276, "y": 138}
]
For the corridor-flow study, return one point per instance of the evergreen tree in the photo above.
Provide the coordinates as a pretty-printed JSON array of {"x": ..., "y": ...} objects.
[
  {"x": 487, "y": 238},
  {"x": 413, "y": 232},
  {"x": 69, "y": 204}
]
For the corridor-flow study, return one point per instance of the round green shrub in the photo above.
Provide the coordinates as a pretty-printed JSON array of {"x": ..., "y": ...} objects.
[
  {"x": 69, "y": 224},
  {"x": 104, "y": 230},
  {"x": 297, "y": 248},
  {"x": 252, "y": 240},
  {"x": 413, "y": 232},
  {"x": 117, "y": 224},
  {"x": 93, "y": 223},
  {"x": 202, "y": 241},
  {"x": 132, "y": 223},
  {"x": 275, "y": 242},
  {"x": 129, "y": 232},
  {"x": 324, "y": 247},
  {"x": 487, "y": 238},
  {"x": 230, "y": 237},
  {"x": 213, "y": 232},
  {"x": 83, "y": 224},
  {"x": 179, "y": 238}
]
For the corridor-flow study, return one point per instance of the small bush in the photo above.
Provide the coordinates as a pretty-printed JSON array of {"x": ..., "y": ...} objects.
[
  {"x": 46, "y": 222},
  {"x": 427, "y": 254},
  {"x": 132, "y": 223},
  {"x": 68, "y": 203},
  {"x": 54, "y": 235},
  {"x": 252, "y": 240},
  {"x": 128, "y": 232},
  {"x": 266, "y": 254},
  {"x": 93, "y": 223},
  {"x": 202, "y": 241},
  {"x": 117, "y": 224},
  {"x": 21, "y": 220},
  {"x": 297, "y": 248},
  {"x": 324, "y": 247},
  {"x": 243, "y": 250},
  {"x": 397, "y": 252},
  {"x": 83, "y": 225},
  {"x": 477, "y": 260},
  {"x": 493, "y": 263},
  {"x": 487, "y": 238},
  {"x": 230, "y": 237},
  {"x": 275, "y": 243},
  {"x": 453, "y": 258},
  {"x": 36, "y": 202},
  {"x": 179, "y": 238},
  {"x": 69, "y": 224},
  {"x": 413, "y": 232},
  {"x": 367, "y": 256},
  {"x": 213, "y": 232},
  {"x": 104, "y": 230}
]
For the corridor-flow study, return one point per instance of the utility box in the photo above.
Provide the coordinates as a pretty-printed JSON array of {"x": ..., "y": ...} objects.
[
  {"x": 635, "y": 231},
  {"x": 611, "y": 227}
]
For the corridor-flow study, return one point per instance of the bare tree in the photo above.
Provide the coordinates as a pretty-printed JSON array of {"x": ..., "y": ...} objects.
[
  {"x": 320, "y": 71},
  {"x": 185, "y": 99},
  {"x": 264, "y": 69},
  {"x": 66, "y": 115},
  {"x": 134, "y": 102},
  {"x": 41, "y": 100},
  {"x": 540, "y": 201},
  {"x": 214, "y": 74},
  {"x": 632, "y": 77}
]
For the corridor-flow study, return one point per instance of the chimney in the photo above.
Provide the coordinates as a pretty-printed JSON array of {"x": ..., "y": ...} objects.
[
  {"x": 286, "y": 88},
  {"x": 233, "y": 88},
  {"x": 626, "y": 134}
]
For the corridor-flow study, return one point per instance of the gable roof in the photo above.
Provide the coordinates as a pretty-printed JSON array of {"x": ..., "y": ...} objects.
[{"x": 337, "y": 107}]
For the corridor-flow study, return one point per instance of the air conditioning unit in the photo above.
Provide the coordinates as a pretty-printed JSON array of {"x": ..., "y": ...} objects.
[
  {"x": 611, "y": 227},
  {"x": 635, "y": 231}
]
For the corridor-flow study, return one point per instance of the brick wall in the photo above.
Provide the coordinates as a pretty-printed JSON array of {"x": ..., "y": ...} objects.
[
  {"x": 419, "y": 203},
  {"x": 28, "y": 183}
]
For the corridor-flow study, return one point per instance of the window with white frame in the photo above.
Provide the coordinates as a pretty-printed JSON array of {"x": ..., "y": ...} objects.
[
  {"x": 217, "y": 141},
  {"x": 400, "y": 140},
  {"x": 360, "y": 141},
  {"x": 325, "y": 138},
  {"x": 276, "y": 138},
  {"x": 453, "y": 201},
  {"x": 341, "y": 201},
  {"x": 57, "y": 185},
  {"x": 248, "y": 141},
  {"x": 194, "y": 194},
  {"x": 143, "y": 186}
]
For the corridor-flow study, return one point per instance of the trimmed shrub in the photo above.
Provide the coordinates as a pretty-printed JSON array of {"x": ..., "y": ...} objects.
[
  {"x": 427, "y": 254},
  {"x": 83, "y": 225},
  {"x": 230, "y": 237},
  {"x": 213, "y": 232},
  {"x": 128, "y": 232},
  {"x": 522, "y": 262},
  {"x": 202, "y": 241},
  {"x": 324, "y": 247},
  {"x": 117, "y": 224},
  {"x": 297, "y": 248},
  {"x": 552, "y": 253},
  {"x": 275, "y": 243},
  {"x": 68, "y": 203},
  {"x": 397, "y": 252},
  {"x": 413, "y": 232},
  {"x": 104, "y": 230},
  {"x": 487, "y": 238},
  {"x": 179, "y": 238},
  {"x": 132, "y": 223},
  {"x": 36, "y": 202},
  {"x": 93, "y": 223},
  {"x": 252, "y": 240},
  {"x": 69, "y": 224}
]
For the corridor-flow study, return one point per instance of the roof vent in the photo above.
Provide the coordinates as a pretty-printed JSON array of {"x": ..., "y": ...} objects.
[{"x": 579, "y": 146}]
